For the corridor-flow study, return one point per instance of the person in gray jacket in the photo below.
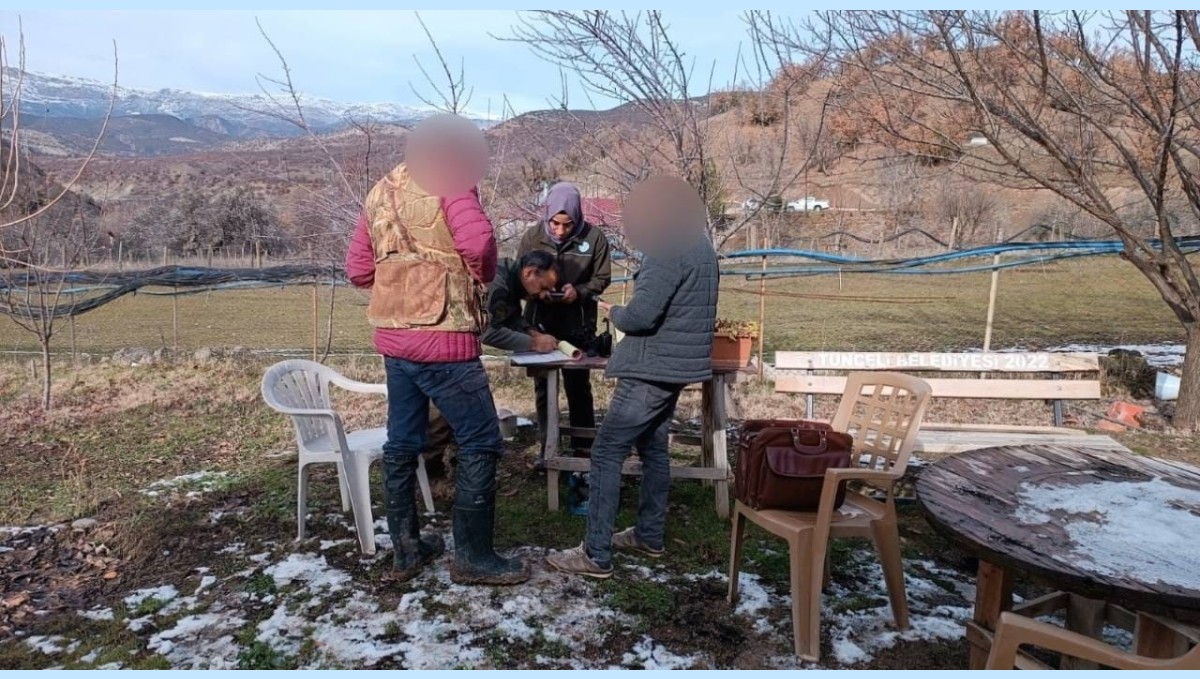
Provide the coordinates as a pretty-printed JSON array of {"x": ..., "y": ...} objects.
[{"x": 668, "y": 326}]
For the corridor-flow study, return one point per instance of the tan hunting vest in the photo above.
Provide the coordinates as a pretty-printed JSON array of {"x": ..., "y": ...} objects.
[{"x": 421, "y": 282}]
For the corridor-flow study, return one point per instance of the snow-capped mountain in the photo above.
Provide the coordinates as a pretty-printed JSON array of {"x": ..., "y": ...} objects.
[{"x": 232, "y": 116}]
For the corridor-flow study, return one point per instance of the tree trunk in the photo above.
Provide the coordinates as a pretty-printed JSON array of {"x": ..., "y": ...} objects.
[
  {"x": 1187, "y": 407},
  {"x": 45, "y": 341}
]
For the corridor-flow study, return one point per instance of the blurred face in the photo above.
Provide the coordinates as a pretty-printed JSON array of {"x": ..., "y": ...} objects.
[
  {"x": 536, "y": 283},
  {"x": 662, "y": 214},
  {"x": 446, "y": 155},
  {"x": 560, "y": 226}
]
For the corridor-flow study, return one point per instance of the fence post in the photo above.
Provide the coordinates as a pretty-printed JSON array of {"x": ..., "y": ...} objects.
[
  {"x": 316, "y": 338},
  {"x": 175, "y": 319},
  {"x": 762, "y": 317},
  {"x": 74, "y": 354},
  {"x": 991, "y": 312}
]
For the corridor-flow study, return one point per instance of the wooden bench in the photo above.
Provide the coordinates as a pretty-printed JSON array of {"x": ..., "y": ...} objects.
[{"x": 797, "y": 373}]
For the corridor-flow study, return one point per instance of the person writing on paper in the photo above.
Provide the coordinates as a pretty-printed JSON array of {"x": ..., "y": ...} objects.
[
  {"x": 517, "y": 281},
  {"x": 585, "y": 271},
  {"x": 668, "y": 326}
]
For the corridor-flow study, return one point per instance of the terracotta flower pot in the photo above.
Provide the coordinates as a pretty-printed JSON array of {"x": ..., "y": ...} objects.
[{"x": 732, "y": 351}]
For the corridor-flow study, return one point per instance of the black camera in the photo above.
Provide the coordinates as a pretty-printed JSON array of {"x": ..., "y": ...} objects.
[{"x": 599, "y": 345}]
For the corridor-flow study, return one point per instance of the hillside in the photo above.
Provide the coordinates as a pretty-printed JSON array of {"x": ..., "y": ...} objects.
[
  {"x": 874, "y": 192},
  {"x": 68, "y": 110}
]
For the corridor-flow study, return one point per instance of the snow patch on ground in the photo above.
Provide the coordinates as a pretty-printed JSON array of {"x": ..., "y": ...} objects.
[
  {"x": 312, "y": 570},
  {"x": 337, "y": 618},
  {"x": 51, "y": 645},
  {"x": 753, "y": 599},
  {"x": 649, "y": 654},
  {"x": 205, "y": 582},
  {"x": 165, "y": 594},
  {"x": 202, "y": 641},
  {"x": 136, "y": 625},
  {"x": 99, "y": 614},
  {"x": 198, "y": 482},
  {"x": 21, "y": 531}
]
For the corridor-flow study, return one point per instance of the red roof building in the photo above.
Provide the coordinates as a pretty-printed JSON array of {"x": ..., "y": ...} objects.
[{"x": 604, "y": 212}]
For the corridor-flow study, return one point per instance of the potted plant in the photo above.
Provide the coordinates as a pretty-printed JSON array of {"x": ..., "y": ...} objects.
[{"x": 733, "y": 341}]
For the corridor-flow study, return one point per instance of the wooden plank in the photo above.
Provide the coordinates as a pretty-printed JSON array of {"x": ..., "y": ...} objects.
[
  {"x": 990, "y": 428},
  {"x": 1153, "y": 639},
  {"x": 993, "y": 596},
  {"x": 1011, "y": 428},
  {"x": 686, "y": 440},
  {"x": 1043, "y": 605},
  {"x": 978, "y": 636},
  {"x": 799, "y": 383},
  {"x": 1087, "y": 617},
  {"x": 940, "y": 362},
  {"x": 634, "y": 468},
  {"x": 1121, "y": 617},
  {"x": 951, "y": 442}
]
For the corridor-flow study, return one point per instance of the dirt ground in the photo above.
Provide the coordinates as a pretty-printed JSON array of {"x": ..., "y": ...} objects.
[{"x": 150, "y": 521}]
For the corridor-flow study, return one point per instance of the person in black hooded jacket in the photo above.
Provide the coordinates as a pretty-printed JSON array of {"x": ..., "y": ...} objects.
[{"x": 581, "y": 252}]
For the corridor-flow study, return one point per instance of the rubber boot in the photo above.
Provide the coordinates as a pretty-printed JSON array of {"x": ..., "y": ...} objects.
[
  {"x": 411, "y": 550},
  {"x": 475, "y": 559}
]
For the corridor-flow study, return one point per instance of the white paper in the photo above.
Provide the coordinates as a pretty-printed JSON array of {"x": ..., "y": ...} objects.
[{"x": 531, "y": 358}]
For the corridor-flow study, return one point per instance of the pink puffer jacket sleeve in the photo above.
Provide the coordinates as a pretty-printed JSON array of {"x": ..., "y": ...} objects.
[
  {"x": 474, "y": 237},
  {"x": 360, "y": 258}
]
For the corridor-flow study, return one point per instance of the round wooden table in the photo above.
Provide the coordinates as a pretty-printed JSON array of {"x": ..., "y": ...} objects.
[{"x": 1104, "y": 526}]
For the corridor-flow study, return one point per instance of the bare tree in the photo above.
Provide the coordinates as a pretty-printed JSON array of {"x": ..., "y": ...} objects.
[
  {"x": 326, "y": 217},
  {"x": 45, "y": 227},
  {"x": 41, "y": 251},
  {"x": 965, "y": 208},
  {"x": 1071, "y": 102},
  {"x": 668, "y": 121},
  {"x": 15, "y": 163}
]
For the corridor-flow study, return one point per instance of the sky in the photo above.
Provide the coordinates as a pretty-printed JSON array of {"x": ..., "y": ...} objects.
[{"x": 353, "y": 56}]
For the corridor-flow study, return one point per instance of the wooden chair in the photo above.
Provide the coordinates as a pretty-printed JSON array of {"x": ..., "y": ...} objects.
[
  {"x": 883, "y": 412},
  {"x": 1016, "y": 630}
]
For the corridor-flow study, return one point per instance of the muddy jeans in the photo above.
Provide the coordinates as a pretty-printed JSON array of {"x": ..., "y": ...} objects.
[
  {"x": 639, "y": 416},
  {"x": 461, "y": 393}
]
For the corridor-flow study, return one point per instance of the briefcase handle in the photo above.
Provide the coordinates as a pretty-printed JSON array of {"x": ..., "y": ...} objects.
[{"x": 821, "y": 446}]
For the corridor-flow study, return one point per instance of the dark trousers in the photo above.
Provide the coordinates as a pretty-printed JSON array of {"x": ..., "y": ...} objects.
[
  {"x": 578, "y": 385},
  {"x": 638, "y": 417},
  {"x": 461, "y": 393}
]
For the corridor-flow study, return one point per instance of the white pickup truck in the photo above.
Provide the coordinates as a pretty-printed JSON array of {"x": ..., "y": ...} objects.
[{"x": 807, "y": 204}]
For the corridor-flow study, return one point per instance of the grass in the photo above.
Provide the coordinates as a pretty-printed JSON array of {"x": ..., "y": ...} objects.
[
  {"x": 116, "y": 429},
  {"x": 1034, "y": 305},
  {"x": 650, "y": 602}
]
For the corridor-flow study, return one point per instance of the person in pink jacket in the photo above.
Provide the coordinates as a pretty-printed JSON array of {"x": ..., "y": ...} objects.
[{"x": 427, "y": 260}]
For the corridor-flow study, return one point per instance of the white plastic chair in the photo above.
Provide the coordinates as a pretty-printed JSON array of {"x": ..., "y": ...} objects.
[{"x": 301, "y": 389}]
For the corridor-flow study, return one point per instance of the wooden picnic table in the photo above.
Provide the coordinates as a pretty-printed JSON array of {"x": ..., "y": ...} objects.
[
  {"x": 714, "y": 456},
  {"x": 1115, "y": 531}
]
